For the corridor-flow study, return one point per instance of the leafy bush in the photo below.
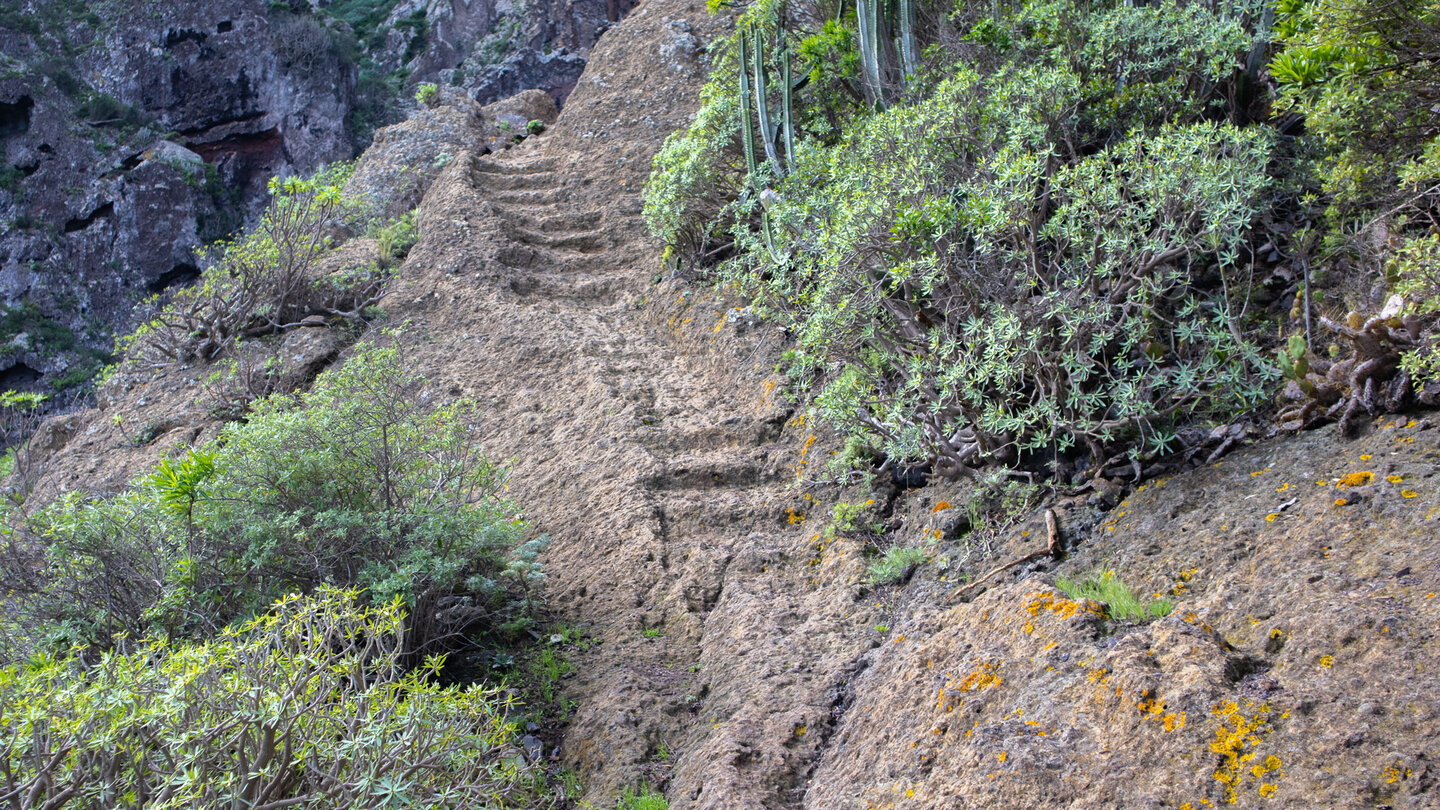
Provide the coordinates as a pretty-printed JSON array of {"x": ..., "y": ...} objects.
[
  {"x": 1358, "y": 73},
  {"x": 1122, "y": 601},
  {"x": 427, "y": 94},
  {"x": 306, "y": 705},
  {"x": 1044, "y": 254},
  {"x": 263, "y": 281},
  {"x": 891, "y": 567},
  {"x": 356, "y": 483},
  {"x": 395, "y": 239},
  {"x": 1356, "y": 70}
]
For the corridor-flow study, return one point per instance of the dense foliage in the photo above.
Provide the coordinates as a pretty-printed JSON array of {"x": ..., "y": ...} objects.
[
  {"x": 1064, "y": 238},
  {"x": 305, "y": 706},
  {"x": 1366, "y": 79},
  {"x": 1040, "y": 244},
  {"x": 356, "y": 483}
]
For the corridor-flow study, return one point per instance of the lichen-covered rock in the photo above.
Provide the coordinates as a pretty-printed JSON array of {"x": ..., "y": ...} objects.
[
  {"x": 404, "y": 159},
  {"x": 1297, "y": 669}
]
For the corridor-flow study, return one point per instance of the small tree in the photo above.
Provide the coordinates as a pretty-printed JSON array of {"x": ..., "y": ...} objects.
[{"x": 264, "y": 281}]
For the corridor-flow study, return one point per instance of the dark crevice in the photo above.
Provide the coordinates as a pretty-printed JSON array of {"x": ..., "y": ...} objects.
[
  {"x": 842, "y": 697},
  {"x": 106, "y": 210},
  {"x": 15, "y": 117},
  {"x": 224, "y": 27},
  {"x": 175, "y": 36},
  {"x": 19, "y": 377},
  {"x": 178, "y": 275},
  {"x": 204, "y": 128}
]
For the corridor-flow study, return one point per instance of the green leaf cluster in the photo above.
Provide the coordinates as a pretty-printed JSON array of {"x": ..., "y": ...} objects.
[
  {"x": 1041, "y": 253},
  {"x": 355, "y": 483},
  {"x": 1120, "y": 599},
  {"x": 306, "y": 705}
]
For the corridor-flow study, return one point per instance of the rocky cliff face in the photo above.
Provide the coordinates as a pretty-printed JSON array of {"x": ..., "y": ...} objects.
[
  {"x": 492, "y": 49},
  {"x": 133, "y": 133}
]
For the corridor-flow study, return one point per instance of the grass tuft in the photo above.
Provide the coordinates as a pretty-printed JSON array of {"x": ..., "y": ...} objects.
[{"x": 1123, "y": 602}]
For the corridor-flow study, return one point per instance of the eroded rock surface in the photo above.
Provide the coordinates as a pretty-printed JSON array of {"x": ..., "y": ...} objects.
[{"x": 740, "y": 660}]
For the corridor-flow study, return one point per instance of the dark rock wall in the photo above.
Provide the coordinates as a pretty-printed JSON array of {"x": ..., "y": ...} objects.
[
  {"x": 132, "y": 133},
  {"x": 493, "y": 49}
]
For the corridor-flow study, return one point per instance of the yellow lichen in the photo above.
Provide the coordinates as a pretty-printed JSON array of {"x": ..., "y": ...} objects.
[
  {"x": 1409, "y": 493},
  {"x": 1357, "y": 479},
  {"x": 1327, "y": 661},
  {"x": 1236, "y": 738},
  {"x": 1059, "y": 605}
]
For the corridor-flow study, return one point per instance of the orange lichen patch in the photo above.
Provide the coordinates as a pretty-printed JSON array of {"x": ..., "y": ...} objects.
[
  {"x": 986, "y": 676},
  {"x": 1153, "y": 708},
  {"x": 1395, "y": 773},
  {"x": 1192, "y": 618},
  {"x": 794, "y": 517},
  {"x": 1340, "y": 501},
  {"x": 1236, "y": 738},
  {"x": 1064, "y": 608},
  {"x": 1356, "y": 479},
  {"x": 940, "y": 507}
]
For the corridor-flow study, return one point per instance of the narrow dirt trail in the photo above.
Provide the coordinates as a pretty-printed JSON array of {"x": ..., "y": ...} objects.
[{"x": 644, "y": 439}]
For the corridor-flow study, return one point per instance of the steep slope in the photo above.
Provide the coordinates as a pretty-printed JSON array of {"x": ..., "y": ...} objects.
[{"x": 737, "y": 656}]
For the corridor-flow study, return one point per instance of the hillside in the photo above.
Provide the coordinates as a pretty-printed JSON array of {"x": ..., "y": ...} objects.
[{"x": 730, "y": 648}]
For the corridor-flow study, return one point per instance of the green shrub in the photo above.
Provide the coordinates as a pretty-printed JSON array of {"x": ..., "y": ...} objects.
[
  {"x": 1123, "y": 603},
  {"x": 356, "y": 483},
  {"x": 306, "y": 705},
  {"x": 396, "y": 238},
  {"x": 891, "y": 567},
  {"x": 1354, "y": 71},
  {"x": 535, "y": 127},
  {"x": 427, "y": 94},
  {"x": 1038, "y": 254}
]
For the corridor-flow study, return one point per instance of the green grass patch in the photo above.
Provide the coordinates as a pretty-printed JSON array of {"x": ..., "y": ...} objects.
[
  {"x": 1122, "y": 600},
  {"x": 642, "y": 800},
  {"x": 892, "y": 566}
]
